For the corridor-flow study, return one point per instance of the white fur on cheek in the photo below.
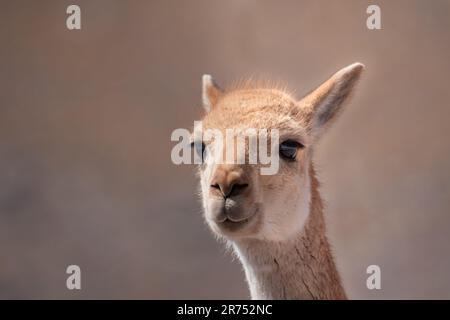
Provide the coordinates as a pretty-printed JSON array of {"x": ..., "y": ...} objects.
[
  {"x": 285, "y": 219},
  {"x": 207, "y": 174}
]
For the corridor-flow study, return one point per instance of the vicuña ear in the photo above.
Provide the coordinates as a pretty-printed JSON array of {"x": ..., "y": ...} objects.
[
  {"x": 211, "y": 92},
  {"x": 322, "y": 105}
]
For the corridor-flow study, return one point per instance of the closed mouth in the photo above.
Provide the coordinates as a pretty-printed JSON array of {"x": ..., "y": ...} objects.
[
  {"x": 233, "y": 225},
  {"x": 231, "y": 221}
]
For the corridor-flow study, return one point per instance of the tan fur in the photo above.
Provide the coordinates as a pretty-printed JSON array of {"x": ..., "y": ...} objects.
[
  {"x": 299, "y": 268},
  {"x": 275, "y": 223}
]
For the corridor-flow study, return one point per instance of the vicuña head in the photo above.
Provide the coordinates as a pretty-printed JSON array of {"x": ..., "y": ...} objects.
[{"x": 274, "y": 222}]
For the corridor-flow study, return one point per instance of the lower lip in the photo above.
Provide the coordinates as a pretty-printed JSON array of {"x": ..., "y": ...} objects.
[
  {"x": 231, "y": 222},
  {"x": 232, "y": 225}
]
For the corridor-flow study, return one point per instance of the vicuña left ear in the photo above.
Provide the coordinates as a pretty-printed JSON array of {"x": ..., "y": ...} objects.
[
  {"x": 211, "y": 92},
  {"x": 322, "y": 105}
]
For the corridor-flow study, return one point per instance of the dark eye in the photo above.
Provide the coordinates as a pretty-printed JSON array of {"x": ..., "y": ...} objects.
[
  {"x": 289, "y": 148},
  {"x": 199, "y": 148}
]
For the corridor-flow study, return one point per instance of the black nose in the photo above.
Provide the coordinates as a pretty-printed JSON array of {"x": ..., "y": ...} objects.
[{"x": 230, "y": 190}]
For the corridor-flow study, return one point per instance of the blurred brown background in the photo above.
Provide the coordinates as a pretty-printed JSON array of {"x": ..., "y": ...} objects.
[{"x": 86, "y": 117}]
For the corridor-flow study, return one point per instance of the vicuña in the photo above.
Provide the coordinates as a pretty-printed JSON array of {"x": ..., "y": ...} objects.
[{"x": 275, "y": 223}]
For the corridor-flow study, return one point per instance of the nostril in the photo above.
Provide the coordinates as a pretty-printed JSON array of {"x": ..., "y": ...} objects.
[
  {"x": 240, "y": 186},
  {"x": 237, "y": 188},
  {"x": 230, "y": 190}
]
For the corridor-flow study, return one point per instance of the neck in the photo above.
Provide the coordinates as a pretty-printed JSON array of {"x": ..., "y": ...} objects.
[{"x": 298, "y": 268}]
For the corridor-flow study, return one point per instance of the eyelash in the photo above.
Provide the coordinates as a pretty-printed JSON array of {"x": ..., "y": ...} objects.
[
  {"x": 289, "y": 148},
  {"x": 193, "y": 145}
]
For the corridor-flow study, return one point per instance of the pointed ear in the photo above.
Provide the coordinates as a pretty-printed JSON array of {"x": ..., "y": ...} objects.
[
  {"x": 210, "y": 92},
  {"x": 322, "y": 106}
]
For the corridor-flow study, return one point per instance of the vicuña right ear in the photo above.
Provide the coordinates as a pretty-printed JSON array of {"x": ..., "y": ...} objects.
[
  {"x": 211, "y": 92},
  {"x": 322, "y": 106}
]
